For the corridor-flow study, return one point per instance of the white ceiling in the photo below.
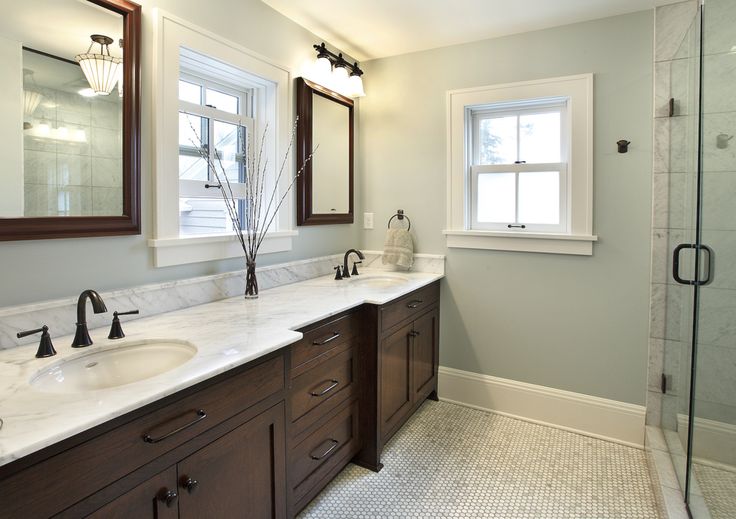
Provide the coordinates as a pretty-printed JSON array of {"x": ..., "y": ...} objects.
[{"x": 367, "y": 29}]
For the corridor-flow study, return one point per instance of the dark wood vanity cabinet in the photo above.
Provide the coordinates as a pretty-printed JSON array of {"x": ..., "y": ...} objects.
[
  {"x": 408, "y": 349},
  {"x": 259, "y": 441}
]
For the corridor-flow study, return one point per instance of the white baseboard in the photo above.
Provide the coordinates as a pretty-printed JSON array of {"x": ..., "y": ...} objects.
[
  {"x": 713, "y": 441},
  {"x": 592, "y": 416}
]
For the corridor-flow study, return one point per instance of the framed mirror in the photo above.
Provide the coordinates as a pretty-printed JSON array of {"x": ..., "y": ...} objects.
[
  {"x": 325, "y": 187},
  {"x": 70, "y": 119}
]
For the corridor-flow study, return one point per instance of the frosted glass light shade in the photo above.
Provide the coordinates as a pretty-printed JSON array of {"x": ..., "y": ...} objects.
[
  {"x": 340, "y": 79},
  {"x": 100, "y": 70},
  {"x": 322, "y": 69},
  {"x": 31, "y": 100},
  {"x": 355, "y": 86}
]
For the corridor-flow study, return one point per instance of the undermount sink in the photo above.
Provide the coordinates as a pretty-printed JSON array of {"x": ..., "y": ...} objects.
[
  {"x": 379, "y": 280},
  {"x": 115, "y": 367}
]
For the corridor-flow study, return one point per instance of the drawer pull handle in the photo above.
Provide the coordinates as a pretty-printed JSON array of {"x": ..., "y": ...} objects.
[
  {"x": 320, "y": 342},
  {"x": 414, "y": 304},
  {"x": 201, "y": 415},
  {"x": 168, "y": 497},
  {"x": 326, "y": 453},
  {"x": 414, "y": 334},
  {"x": 333, "y": 385}
]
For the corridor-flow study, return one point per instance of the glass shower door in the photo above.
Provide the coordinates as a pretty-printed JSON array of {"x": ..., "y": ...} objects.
[{"x": 711, "y": 488}]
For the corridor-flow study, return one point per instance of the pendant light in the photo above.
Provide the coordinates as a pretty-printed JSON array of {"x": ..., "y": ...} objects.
[
  {"x": 31, "y": 98},
  {"x": 101, "y": 70}
]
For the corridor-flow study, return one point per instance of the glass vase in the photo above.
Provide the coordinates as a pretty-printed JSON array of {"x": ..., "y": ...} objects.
[{"x": 251, "y": 283}]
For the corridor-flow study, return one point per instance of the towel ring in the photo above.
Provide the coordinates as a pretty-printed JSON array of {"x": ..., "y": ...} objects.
[{"x": 400, "y": 215}]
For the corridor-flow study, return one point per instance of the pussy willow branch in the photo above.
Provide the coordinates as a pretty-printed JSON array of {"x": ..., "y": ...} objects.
[{"x": 255, "y": 222}]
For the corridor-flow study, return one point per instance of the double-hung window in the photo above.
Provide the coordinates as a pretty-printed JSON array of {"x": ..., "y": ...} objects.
[
  {"x": 217, "y": 119},
  {"x": 518, "y": 168}
]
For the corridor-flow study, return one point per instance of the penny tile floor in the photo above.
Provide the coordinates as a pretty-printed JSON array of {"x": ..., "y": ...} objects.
[{"x": 456, "y": 462}]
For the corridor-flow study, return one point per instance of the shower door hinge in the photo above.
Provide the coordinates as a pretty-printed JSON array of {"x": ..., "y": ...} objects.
[{"x": 665, "y": 383}]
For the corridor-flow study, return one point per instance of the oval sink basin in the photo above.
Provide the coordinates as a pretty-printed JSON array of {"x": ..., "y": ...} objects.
[
  {"x": 379, "y": 281},
  {"x": 105, "y": 369}
]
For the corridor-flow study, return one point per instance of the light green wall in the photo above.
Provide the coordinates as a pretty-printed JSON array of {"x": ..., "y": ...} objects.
[
  {"x": 37, "y": 270},
  {"x": 568, "y": 322}
]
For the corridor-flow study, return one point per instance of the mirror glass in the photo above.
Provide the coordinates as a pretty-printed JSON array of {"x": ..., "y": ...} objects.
[
  {"x": 331, "y": 162},
  {"x": 61, "y": 142},
  {"x": 325, "y": 127},
  {"x": 70, "y": 119}
]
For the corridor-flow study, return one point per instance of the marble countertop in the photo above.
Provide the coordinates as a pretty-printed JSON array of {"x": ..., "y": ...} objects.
[{"x": 227, "y": 334}]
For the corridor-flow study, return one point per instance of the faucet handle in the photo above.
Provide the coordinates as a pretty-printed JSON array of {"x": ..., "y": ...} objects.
[
  {"x": 355, "y": 268},
  {"x": 338, "y": 274},
  {"x": 45, "y": 347},
  {"x": 116, "y": 330}
]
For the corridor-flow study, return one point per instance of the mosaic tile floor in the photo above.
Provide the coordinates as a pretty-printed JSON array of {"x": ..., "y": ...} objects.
[
  {"x": 719, "y": 490},
  {"x": 455, "y": 462}
]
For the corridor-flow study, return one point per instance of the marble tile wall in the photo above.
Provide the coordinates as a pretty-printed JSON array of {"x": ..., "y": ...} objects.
[
  {"x": 77, "y": 177},
  {"x": 60, "y": 315},
  {"x": 673, "y": 195}
]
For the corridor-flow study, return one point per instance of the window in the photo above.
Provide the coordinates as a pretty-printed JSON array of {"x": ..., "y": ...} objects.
[
  {"x": 213, "y": 91},
  {"x": 219, "y": 119},
  {"x": 520, "y": 166},
  {"x": 518, "y": 171}
]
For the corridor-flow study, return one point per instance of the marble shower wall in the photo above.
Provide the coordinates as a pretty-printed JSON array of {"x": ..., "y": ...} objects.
[
  {"x": 673, "y": 191},
  {"x": 674, "y": 198}
]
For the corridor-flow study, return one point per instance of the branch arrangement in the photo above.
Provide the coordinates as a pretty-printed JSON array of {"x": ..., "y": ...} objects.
[{"x": 261, "y": 207}]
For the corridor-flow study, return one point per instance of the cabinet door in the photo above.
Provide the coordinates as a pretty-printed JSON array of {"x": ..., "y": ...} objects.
[
  {"x": 155, "y": 498},
  {"x": 242, "y": 474},
  {"x": 425, "y": 349},
  {"x": 396, "y": 387}
]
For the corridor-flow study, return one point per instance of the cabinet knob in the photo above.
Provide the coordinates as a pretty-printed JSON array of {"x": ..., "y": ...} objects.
[
  {"x": 190, "y": 484},
  {"x": 168, "y": 496},
  {"x": 413, "y": 333}
]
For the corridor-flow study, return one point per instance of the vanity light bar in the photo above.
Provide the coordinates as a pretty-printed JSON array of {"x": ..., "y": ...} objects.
[{"x": 337, "y": 73}]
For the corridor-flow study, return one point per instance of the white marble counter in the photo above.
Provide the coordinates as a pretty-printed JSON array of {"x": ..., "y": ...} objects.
[{"x": 227, "y": 333}]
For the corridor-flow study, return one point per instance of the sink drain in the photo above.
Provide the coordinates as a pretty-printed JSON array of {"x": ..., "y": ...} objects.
[{"x": 91, "y": 365}]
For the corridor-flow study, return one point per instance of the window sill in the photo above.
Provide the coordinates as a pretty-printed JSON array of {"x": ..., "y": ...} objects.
[
  {"x": 193, "y": 249},
  {"x": 575, "y": 244}
]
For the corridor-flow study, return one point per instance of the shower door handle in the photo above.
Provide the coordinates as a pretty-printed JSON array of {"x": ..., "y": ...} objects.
[{"x": 676, "y": 264}]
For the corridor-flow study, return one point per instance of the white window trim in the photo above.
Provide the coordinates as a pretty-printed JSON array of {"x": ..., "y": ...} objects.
[
  {"x": 579, "y": 238},
  {"x": 171, "y": 34}
]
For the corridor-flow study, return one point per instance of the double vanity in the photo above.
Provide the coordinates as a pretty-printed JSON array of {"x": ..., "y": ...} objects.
[{"x": 227, "y": 409}]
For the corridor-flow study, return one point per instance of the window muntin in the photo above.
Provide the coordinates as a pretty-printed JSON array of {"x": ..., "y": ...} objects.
[
  {"x": 518, "y": 170},
  {"x": 221, "y": 119}
]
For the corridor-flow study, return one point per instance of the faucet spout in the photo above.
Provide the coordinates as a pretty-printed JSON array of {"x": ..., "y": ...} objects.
[
  {"x": 81, "y": 336},
  {"x": 345, "y": 271}
]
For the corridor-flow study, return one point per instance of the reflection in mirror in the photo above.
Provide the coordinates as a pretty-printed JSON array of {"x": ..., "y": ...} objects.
[
  {"x": 330, "y": 131},
  {"x": 72, "y": 147},
  {"x": 325, "y": 188},
  {"x": 63, "y": 111}
]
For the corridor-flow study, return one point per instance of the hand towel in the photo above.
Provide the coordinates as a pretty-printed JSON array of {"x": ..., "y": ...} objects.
[{"x": 398, "y": 248}]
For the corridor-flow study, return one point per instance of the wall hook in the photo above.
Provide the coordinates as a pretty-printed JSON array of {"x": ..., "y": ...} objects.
[
  {"x": 722, "y": 140},
  {"x": 623, "y": 145}
]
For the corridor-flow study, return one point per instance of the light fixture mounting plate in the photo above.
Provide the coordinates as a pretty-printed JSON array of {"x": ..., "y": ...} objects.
[{"x": 101, "y": 39}]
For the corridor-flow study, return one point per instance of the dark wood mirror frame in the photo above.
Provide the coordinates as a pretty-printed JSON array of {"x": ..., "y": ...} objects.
[
  {"x": 130, "y": 221},
  {"x": 305, "y": 216}
]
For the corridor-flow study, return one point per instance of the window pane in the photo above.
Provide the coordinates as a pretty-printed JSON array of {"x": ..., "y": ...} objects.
[
  {"x": 496, "y": 197},
  {"x": 539, "y": 197},
  {"x": 497, "y": 140},
  {"x": 228, "y": 143},
  {"x": 204, "y": 216},
  {"x": 539, "y": 136},
  {"x": 192, "y": 134},
  {"x": 222, "y": 101},
  {"x": 190, "y": 92}
]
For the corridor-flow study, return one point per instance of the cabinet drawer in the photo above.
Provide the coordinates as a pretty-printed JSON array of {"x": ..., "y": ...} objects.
[
  {"x": 409, "y": 306},
  {"x": 322, "y": 451},
  {"x": 327, "y": 381},
  {"x": 110, "y": 456},
  {"x": 324, "y": 337}
]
